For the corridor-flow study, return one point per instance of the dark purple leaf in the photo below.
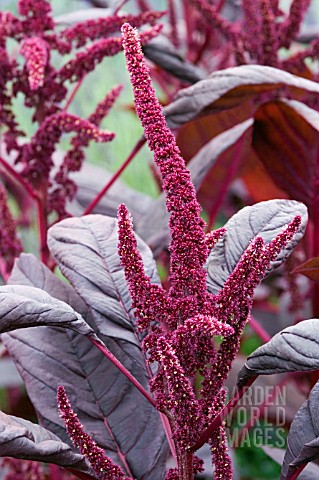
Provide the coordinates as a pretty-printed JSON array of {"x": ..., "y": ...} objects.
[
  {"x": 265, "y": 219},
  {"x": 161, "y": 52},
  {"x": 82, "y": 16},
  {"x": 230, "y": 87},
  {"x": 286, "y": 140},
  {"x": 23, "y": 306},
  {"x": 310, "y": 269},
  {"x": 226, "y": 169},
  {"x": 30, "y": 272},
  {"x": 20, "y": 438},
  {"x": 9, "y": 377},
  {"x": 277, "y": 454},
  {"x": 219, "y": 153},
  {"x": 86, "y": 251},
  {"x": 294, "y": 349},
  {"x": 303, "y": 438},
  {"x": 90, "y": 181},
  {"x": 110, "y": 408}
]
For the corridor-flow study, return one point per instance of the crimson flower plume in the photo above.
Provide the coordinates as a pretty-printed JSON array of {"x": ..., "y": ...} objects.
[
  {"x": 102, "y": 465},
  {"x": 180, "y": 324}
]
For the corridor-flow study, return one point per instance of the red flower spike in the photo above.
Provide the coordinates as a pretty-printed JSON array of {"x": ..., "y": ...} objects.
[
  {"x": 35, "y": 51},
  {"x": 270, "y": 42},
  {"x": 81, "y": 33},
  {"x": 282, "y": 239},
  {"x": 105, "y": 106},
  {"x": 102, "y": 465},
  {"x": 213, "y": 237},
  {"x": 239, "y": 286},
  {"x": 150, "y": 300},
  {"x": 193, "y": 342},
  {"x": 10, "y": 26},
  {"x": 188, "y": 248},
  {"x": 191, "y": 315},
  {"x": 20, "y": 469},
  {"x": 66, "y": 188},
  {"x": 86, "y": 61},
  {"x": 179, "y": 395},
  {"x": 222, "y": 463},
  {"x": 37, "y": 15},
  {"x": 216, "y": 21},
  {"x": 235, "y": 301},
  {"x": 10, "y": 245},
  {"x": 291, "y": 26},
  {"x": 252, "y": 21},
  {"x": 37, "y": 156}
]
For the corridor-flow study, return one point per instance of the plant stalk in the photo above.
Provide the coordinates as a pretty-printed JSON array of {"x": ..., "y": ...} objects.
[
  {"x": 100, "y": 345},
  {"x": 217, "y": 421},
  {"x": 74, "y": 92},
  {"x": 99, "y": 196},
  {"x": 259, "y": 330},
  {"x": 185, "y": 466},
  {"x": 19, "y": 179},
  {"x": 297, "y": 472},
  {"x": 315, "y": 301},
  {"x": 227, "y": 180},
  {"x": 43, "y": 227}
]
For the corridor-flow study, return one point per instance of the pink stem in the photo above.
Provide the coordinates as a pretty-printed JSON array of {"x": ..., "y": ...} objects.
[
  {"x": 119, "y": 6},
  {"x": 315, "y": 221},
  {"x": 261, "y": 332},
  {"x": 96, "y": 200},
  {"x": 74, "y": 92},
  {"x": 168, "y": 432},
  {"x": 3, "y": 270},
  {"x": 224, "y": 189},
  {"x": 203, "y": 47},
  {"x": 54, "y": 472},
  {"x": 189, "y": 26},
  {"x": 43, "y": 228},
  {"x": 217, "y": 421},
  {"x": 19, "y": 179},
  {"x": 121, "y": 367},
  {"x": 42, "y": 220},
  {"x": 220, "y": 5},
  {"x": 297, "y": 472}
]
